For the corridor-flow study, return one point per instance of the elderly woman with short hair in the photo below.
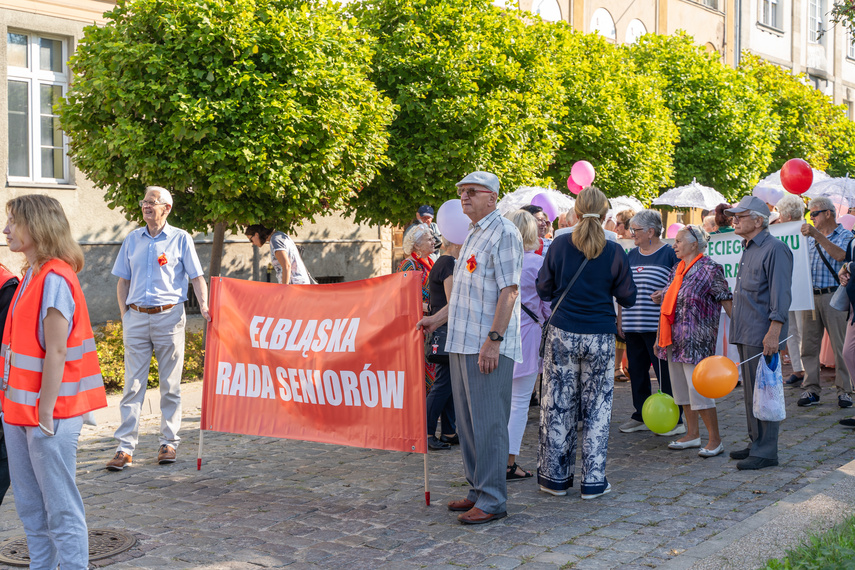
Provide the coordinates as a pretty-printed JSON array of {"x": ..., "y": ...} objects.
[
  {"x": 418, "y": 246},
  {"x": 650, "y": 265},
  {"x": 688, "y": 328},
  {"x": 792, "y": 209},
  {"x": 532, "y": 307}
]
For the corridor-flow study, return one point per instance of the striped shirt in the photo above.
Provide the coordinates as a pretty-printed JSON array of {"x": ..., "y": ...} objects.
[
  {"x": 490, "y": 259},
  {"x": 822, "y": 277},
  {"x": 650, "y": 273}
]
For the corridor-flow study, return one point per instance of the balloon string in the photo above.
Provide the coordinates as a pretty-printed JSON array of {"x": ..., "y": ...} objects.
[{"x": 761, "y": 354}]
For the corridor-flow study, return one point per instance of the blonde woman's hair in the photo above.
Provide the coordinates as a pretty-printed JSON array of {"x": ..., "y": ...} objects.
[
  {"x": 527, "y": 225},
  {"x": 48, "y": 227},
  {"x": 589, "y": 237}
]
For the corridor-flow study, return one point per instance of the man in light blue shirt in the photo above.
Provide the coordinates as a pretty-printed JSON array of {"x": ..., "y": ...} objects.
[{"x": 153, "y": 267}]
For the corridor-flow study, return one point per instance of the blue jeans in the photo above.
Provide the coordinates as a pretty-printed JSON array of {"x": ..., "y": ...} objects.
[
  {"x": 440, "y": 401},
  {"x": 46, "y": 497}
]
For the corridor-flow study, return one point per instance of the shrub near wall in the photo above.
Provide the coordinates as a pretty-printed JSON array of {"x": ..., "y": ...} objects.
[{"x": 111, "y": 355}]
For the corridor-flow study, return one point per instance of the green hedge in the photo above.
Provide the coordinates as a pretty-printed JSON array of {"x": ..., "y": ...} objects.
[{"x": 111, "y": 355}]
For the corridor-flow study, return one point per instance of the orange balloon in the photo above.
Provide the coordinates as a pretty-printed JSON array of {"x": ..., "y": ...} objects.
[{"x": 715, "y": 376}]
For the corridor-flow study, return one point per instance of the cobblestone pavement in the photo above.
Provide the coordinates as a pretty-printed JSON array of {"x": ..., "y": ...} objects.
[{"x": 260, "y": 502}]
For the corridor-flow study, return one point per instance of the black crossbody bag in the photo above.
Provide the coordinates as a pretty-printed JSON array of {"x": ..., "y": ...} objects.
[{"x": 555, "y": 308}]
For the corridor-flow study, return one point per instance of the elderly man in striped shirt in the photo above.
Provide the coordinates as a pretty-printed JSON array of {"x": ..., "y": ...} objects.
[{"x": 483, "y": 343}]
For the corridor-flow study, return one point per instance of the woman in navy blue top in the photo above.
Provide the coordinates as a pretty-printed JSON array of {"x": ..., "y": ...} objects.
[{"x": 578, "y": 363}]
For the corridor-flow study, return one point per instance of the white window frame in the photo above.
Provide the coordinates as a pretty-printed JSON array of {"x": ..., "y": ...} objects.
[
  {"x": 850, "y": 45},
  {"x": 816, "y": 23},
  {"x": 771, "y": 12},
  {"x": 35, "y": 77}
]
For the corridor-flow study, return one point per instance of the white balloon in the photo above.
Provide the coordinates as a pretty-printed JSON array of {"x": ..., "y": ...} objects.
[{"x": 453, "y": 223}]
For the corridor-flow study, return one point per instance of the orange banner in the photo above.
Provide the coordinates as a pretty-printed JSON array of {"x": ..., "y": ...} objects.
[{"x": 340, "y": 363}]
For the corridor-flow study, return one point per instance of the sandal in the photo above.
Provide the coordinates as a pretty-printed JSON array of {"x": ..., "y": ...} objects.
[
  {"x": 620, "y": 375},
  {"x": 511, "y": 474}
]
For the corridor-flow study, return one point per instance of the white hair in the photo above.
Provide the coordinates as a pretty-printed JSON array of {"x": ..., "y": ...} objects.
[
  {"x": 412, "y": 237},
  {"x": 697, "y": 235},
  {"x": 164, "y": 195}
]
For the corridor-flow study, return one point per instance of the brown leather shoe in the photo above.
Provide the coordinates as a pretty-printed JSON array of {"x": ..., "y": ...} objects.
[
  {"x": 165, "y": 454},
  {"x": 477, "y": 516},
  {"x": 461, "y": 505},
  {"x": 119, "y": 461}
]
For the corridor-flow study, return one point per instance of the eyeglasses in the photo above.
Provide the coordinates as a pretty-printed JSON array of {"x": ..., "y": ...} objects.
[
  {"x": 815, "y": 213},
  {"x": 633, "y": 230},
  {"x": 144, "y": 203},
  {"x": 471, "y": 192},
  {"x": 738, "y": 217},
  {"x": 542, "y": 222}
]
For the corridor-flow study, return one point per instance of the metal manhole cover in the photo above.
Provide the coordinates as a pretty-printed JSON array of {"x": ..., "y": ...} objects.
[{"x": 103, "y": 543}]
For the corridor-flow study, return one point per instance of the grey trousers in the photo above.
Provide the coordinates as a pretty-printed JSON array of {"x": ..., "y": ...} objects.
[
  {"x": 162, "y": 333},
  {"x": 764, "y": 435},
  {"x": 482, "y": 404},
  {"x": 824, "y": 318}
]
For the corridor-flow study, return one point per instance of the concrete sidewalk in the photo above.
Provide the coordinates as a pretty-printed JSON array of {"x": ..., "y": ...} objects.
[{"x": 261, "y": 502}]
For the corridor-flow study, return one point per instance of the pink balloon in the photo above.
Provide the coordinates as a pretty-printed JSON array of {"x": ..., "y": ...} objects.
[
  {"x": 572, "y": 186},
  {"x": 847, "y": 221},
  {"x": 673, "y": 230},
  {"x": 544, "y": 200},
  {"x": 583, "y": 173}
]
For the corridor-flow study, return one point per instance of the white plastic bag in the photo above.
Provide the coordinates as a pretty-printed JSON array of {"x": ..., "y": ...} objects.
[{"x": 769, "y": 404}]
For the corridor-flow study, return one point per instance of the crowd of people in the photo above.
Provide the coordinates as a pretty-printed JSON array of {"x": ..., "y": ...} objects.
[{"x": 588, "y": 299}]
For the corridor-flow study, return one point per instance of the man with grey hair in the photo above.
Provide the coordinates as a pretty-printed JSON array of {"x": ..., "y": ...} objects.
[
  {"x": 483, "y": 343},
  {"x": 761, "y": 301},
  {"x": 153, "y": 266},
  {"x": 792, "y": 209},
  {"x": 827, "y": 242}
]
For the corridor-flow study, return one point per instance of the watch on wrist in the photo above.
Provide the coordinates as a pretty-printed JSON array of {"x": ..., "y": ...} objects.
[{"x": 494, "y": 335}]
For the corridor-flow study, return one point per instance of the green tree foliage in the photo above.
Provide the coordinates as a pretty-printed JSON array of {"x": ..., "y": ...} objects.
[
  {"x": 474, "y": 91},
  {"x": 249, "y": 110},
  {"x": 805, "y": 115},
  {"x": 841, "y": 146},
  {"x": 843, "y": 12},
  {"x": 616, "y": 117},
  {"x": 727, "y": 130}
]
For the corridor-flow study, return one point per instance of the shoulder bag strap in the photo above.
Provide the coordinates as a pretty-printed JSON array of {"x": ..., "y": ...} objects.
[
  {"x": 825, "y": 261},
  {"x": 555, "y": 309},
  {"x": 530, "y": 313}
]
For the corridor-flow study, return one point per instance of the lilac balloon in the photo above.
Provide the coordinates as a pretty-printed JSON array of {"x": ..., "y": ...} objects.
[
  {"x": 847, "y": 221},
  {"x": 452, "y": 222},
  {"x": 762, "y": 192},
  {"x": 673, "y": 230},
  {"x": 775, "y": 195},
  {"x": 544, "y": 200},
  {"x": 583, "y": 173}
]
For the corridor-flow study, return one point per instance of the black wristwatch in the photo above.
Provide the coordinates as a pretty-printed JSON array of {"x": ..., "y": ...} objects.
[{"x": 495, "y": 336}]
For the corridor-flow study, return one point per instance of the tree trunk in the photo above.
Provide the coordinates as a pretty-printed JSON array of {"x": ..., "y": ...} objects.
[{"x": 217, "y": 249}]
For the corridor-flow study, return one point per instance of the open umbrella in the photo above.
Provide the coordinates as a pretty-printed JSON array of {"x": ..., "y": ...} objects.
[
  {"x": 771, "y": 190},
  {"x": 692, "y": 195},
  {"x": 523, "y": 196},
  {"x": 625, "y": 203},
  {"x": 837, "y": 189}
]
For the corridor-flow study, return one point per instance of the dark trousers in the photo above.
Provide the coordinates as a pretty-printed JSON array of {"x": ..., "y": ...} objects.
[
  {"x": 4, "y": 467},
  {"x": 440, "y": 402},
  {"x": 763, "y": 435},
  {"x": 639, "y": 356}
]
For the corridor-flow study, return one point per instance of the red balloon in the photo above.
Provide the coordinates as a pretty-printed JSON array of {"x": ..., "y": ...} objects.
[{"x": 796, "y": 176}]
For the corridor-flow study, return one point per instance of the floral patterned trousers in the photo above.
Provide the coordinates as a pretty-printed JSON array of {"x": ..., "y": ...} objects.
[{"x": 578, "y": 372}]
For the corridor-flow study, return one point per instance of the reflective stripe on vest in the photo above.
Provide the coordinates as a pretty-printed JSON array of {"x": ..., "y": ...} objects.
[
  {"x": 66, "y": 389},
  {"x": 35, "y": 364}
]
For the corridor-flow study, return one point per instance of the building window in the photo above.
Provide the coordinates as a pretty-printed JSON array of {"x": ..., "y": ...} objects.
[
  {"x": 548, "y": 10},
  {"x": 37, "y": 78},
  {"x": 770, "y": 11},
  {"x": 603, "y": 24},
  {"x": 710, "y": 4},
  {"x": 850, "y": 45},
  {"x": 816, "y": 12},
  {"x": 634, "y": 30}
]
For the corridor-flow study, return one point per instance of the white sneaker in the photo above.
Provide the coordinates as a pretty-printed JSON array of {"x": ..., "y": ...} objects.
[
  {"x": 680, "y": 429},
  {"x": 553, "y": 491},
  {"x": 608, "y": 489},
  {"x": 633, "y": 425}
]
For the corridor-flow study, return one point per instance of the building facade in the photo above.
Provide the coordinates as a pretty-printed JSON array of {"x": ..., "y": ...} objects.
[{"x": 39, "y": 38}]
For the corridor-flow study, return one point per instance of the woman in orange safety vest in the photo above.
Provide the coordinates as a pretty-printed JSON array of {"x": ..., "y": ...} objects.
[{"x": 51, "y": 377}]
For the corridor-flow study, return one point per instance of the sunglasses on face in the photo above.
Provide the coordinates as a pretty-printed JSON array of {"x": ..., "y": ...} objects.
[{"x": 815, "y": 213}]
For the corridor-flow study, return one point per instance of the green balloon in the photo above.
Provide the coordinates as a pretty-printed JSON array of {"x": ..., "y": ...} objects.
[{"x": 660, "y": 413}]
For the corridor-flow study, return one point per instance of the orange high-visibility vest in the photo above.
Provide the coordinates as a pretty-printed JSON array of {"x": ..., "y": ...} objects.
[
  {"x": 22, "y": 357},
  {"x": 5, "y": 275}
]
